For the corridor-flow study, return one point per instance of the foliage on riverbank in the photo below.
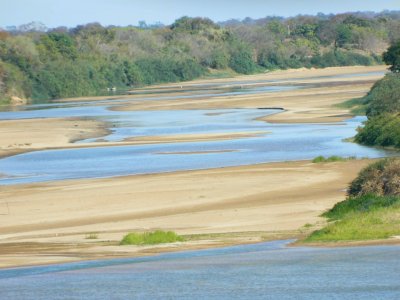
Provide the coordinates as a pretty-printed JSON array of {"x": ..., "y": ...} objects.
[
  {"x": 89, "y": 59},
  {"x": 382, "y": 105},
  {"x": 357, "y": 106},
  {"x": 333, "y": 158},
  {"x": 372, "y": 210},
  {"x": 379, "y": 223},
  {"x": 151, "y": 238}
]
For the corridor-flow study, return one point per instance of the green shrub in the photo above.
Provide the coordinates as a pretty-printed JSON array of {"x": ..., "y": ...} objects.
[
  {"x": 241, "y": 60},
  {"x": 333, "y": 158},
  {"x": 92, "y": 236},
  {"x": 363, "y": 203},
  {"x": 341, "y": 58},
  {"x": 392, "y": 57},
  {"x": 383, "y": 110},
  {"x": 380, "y": 178},
  {"x": 372, "y": 209},
  {"x": 357, "y": 106},
  {"x": 380, "y": 223},
  {"x": 384, "y": 96},
  {"x": 151, "y": 238}
]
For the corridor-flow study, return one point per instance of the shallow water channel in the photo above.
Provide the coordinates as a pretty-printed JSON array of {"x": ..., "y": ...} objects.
[
  {"x": 261, "y": 271},
  {"x": 272, "y": 142}
]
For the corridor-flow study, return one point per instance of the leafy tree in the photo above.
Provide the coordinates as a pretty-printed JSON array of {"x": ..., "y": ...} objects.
[
  {"x": 384, "y": 96},
  {"x": 392, "y": 57},
  {"x": 242, "y": 61},
  {"x": 87, "y": 59},
  {"x": 343, "y": 35}
]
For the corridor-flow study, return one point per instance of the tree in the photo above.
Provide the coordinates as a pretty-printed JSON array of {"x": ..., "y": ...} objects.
[
  {"x": 392, "y": 57},
  {"x": 343, "y": 35}
]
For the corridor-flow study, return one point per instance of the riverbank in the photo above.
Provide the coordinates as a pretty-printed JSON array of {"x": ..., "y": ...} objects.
[
  {"x": 319, "y": 90},
  {"x": 19, "y": 136}
]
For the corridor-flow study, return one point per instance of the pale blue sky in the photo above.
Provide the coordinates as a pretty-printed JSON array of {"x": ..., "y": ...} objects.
[{"x": 124, "y": 12}]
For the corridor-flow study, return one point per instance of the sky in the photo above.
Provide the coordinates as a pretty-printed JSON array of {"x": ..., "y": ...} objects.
[{"x": 54, "y": 13}]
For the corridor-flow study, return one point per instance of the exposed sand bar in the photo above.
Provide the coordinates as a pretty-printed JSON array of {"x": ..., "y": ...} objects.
[
  {"x": 291, "y": 74},
  {"x": 282, "y": 77},
  {"x": 19, "y": 136},
  {"x": 263, "y": 198},
  {"x": 313, "y": 103}
]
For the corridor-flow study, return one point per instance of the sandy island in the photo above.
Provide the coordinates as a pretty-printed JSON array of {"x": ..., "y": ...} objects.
[
  {"x": 50, "y": 222},
  {"x": 263, "y": 200}
]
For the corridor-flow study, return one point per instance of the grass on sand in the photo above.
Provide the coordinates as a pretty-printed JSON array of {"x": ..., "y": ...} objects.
[
  {"x": 333, "y": 158},
  {"x": 151, "y": 238},
  {"x": 367, "y": 217}
]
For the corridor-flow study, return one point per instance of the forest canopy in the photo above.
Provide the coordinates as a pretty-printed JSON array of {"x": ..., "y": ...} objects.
[{"x": 88, "y": 59}]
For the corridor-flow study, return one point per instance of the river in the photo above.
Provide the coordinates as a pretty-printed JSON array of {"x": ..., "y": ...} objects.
[
  {"x": 273, "y": 142},
  {"x": 261, "y": 271}
]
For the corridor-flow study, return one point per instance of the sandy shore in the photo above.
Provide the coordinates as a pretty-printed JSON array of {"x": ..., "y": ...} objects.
[
  {"x": 267, "y": 199},
  {"x": 49, "y": 222},
  {"x": 313, "y": 103},
  {"x": 11, "y": 142},
  {"x": 310, "y": 105},
  {"x": 18, "y": 136}
]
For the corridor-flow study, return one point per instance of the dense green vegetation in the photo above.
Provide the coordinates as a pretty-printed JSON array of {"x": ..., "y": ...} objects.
[
  {"x": 382, "y": 130},
  {"x": 392, "y": 57},
  {"x": 380, "y": 178},
  {"x": 374, "y": 224},
  {"x": 333, "y": 158},
  {"x": 88, "y": 59},
  {"x": 383, "y": 110},
  {"x": 151, "y": 238},
  {"x": 357, "y": 106},
  {"x": 372, "y": 209},
  {"x": 382, "y": 106}
]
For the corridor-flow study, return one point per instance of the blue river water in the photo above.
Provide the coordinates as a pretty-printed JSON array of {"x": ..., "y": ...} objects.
[
  {"x": 272, "y": 143},
  {"x": 260, "y": 271}
]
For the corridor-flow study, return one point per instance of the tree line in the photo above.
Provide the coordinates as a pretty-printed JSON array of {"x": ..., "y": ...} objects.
[
  {"x": 383, "y": 106},
  {"x": 88, "y": 59}
]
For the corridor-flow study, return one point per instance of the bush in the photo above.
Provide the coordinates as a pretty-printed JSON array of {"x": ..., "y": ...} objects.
[
  {"x": 151, "y": 238},
  {"x": 333, "y": 158},
  {"x": 241, "y": 61},
  {"x": 357, "y": 106},
  {"x": 384, "y": 96},
  {"x": 157, "y": 70},
  {"x": 380, "y": 223},
  {"x": 363, "y": 203},
  {"x": 13, "y": 82},
  {"x": 382, "y": 130},
  {"x": 372, "y": 209},
  {"x": 392, "y": 57},
  {"x": 341, "y": 58},
  {"x": 380, "y": 178}
]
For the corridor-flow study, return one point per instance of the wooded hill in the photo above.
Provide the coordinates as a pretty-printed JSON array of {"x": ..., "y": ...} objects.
[{"x": 88, "y": 59}]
